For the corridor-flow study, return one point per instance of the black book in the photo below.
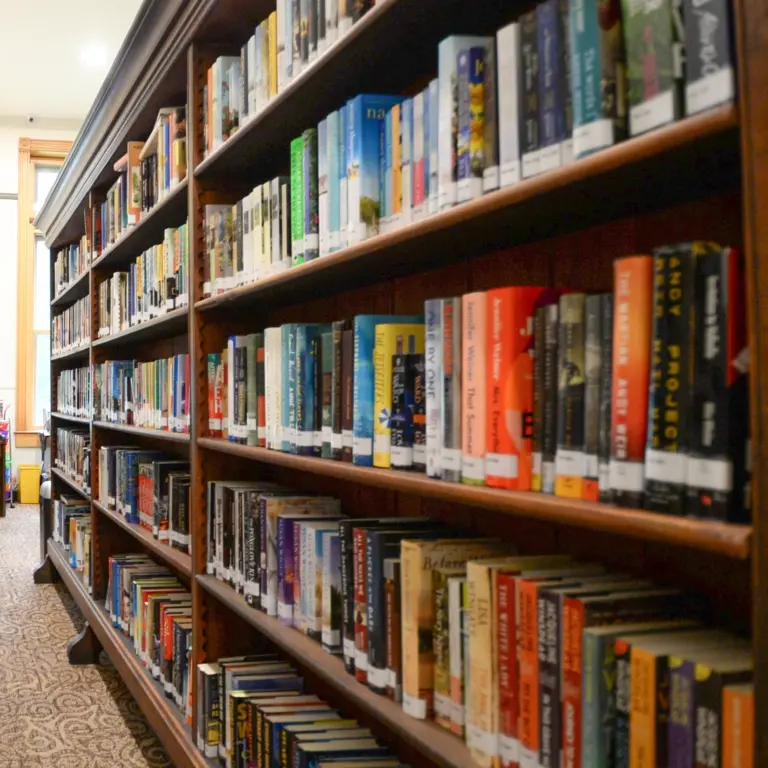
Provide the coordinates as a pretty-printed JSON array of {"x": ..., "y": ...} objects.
[
  {"x": 337, "y": 330},
  {"x": 549, "y": 407}
]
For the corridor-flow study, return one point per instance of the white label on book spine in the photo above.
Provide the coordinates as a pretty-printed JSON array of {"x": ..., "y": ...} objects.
[
  {"x": 401, "y": 456},
  {"x": 450, "y": 459},
  {"x": 305, "y": 439},
  {"x": 377, "y": 678},
  {"x": 566, "y": 151},
  {"x": 548, "y": 477},
  {"x": 443, "y": 705},
  {"x": 482, "y": 741},
  {"x": 591, "y": 465},
  {"x": 529, "y": 758},
  {"x": 457, "y": 714},
  {"x": 326, "y": 435},
  {"x": 709, "y": 91},
  {"x": 251, "y": 589},
  {"x": 604, "y": 475},
  {"x": 666, "y": 467},
  {"x": 570, "y": 463},
  {"x": 419, "y": 454},
  {"x": 347, "y": 439},
  {"x": 531, "y": 164},
  {"x": 381, "y": 443},
  {"x": 592, "y": 136},
  {"x": 536, "y": 461},
  {"x": 334, "y": 240},
  {"x": 464, "y": 190},
  {"x": 501, "y": 465},
  {"x": 318, "y": 438},
  {"x": 447, "y": 194},
  {"x": 509, "y": 749},
  {"x": 627, "y": 476},
  {"x": 414, "y": 706},
  {"x": 330, "y": 637},
  {"x": 473, "y": 467},
  {"x": 253, "y": 425},
  {"x": 362, "y": 446},
  {"x": 710, "y": 474},
  {"x": 550, "y": 158},
  {"x": 361, "y": 660},
  {"x": 284, "y": 612},
  {"x": 490, "y": 179},
  {"x": 336, "y": 441},
  {"x": 349, "y": 649},
  {"x": 652, "y": 113},
  {"x": 207, "y": 288}
]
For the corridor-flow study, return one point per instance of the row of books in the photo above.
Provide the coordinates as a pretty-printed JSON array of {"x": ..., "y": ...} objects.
[
  {"x": 155, "y": 283},
  {"x": 621, "y": 397},
  {"x": 253, "y": 710},
  {"x": 247, "y": 240},
  {"x": 282, "y": 45},
  {"x": 147, "y": 172},
  {"x": 148, "y": 489},
  {"x": 73, "y": 455},
  {"x": 72, "y": 529},
  {"x": 74, "y": 392},
  {"x": 153, "y": 394},
  {"x": 71, "y": 328},
  {"x": 69, "y": 264},
  {"x": 150, "y": 606},
  {"x": 528, "y": 658}
]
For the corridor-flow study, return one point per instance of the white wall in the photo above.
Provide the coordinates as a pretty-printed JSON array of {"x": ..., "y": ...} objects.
[{"x": 10, "y": 132}]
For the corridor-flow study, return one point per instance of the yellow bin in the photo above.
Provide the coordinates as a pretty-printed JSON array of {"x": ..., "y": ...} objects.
[{"x": 29, "y": 483}]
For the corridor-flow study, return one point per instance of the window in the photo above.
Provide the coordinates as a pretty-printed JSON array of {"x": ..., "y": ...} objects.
[{"x": 39, "y": 163}]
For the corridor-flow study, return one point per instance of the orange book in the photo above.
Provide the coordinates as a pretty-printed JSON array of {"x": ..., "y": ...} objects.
[
  {"x": 397, "y": 162},
  {"x": 526, "y": 603},
  {"x": 632, "y": 328},
  {"x": 473, "y": 390},
  {"x": 739, "y": 726},
  {"x": 509, "y": 399}
]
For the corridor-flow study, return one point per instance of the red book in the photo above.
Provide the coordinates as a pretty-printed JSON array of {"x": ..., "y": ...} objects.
[
  {"x": 361, "y": 608},
  {"x": 509, "y": 707}
]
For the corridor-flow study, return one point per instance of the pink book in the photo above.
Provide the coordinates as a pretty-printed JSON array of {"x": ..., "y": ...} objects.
[{"x": 473, "y": 390}]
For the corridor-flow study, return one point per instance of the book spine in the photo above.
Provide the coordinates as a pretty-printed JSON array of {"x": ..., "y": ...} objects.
[
  {"x": 332, "y": 595},
  {"x": 738, "y": 727},
  {"x": 473, "y": 387},
  {"x": 570, "y": 457},
  {"x": 347, "y": 595},
  {"x": 463, "y": 158},
  {"x": 633, "y": 287},
  {"x": 490, "y": 120},
  {"x": 451, "y": 390},
  {"x": 508, "y": 55},
  {"x": 549, "y": 407},
  {"x": 592, "y": 748},
  {"x": 432, "y": 172},
  {"x": 606, "y": 388},
  {"x": 336, "y": 391},
  {"x": 592, "y": 395},
  {"x": 528, "y": 661},
  {"x": 347, "y": 394},
  {"x": 401, "y": 426},
  {"x": 333, "y": 172},
  {"x": 324, "y": 394},
  {"x": 322, "y": 185},
  {"x": 508, "y": 671},
  {"x": 376, "y": 628},
  {"x": 643, "y": 744},
  {"x": 261, "y": 412},
  {"x": 548, "y": 620},
  {"x": 440, "y": 645},
  {"x": 623, "y": 702},
  {"x": 393, "y": 619},
  {"x": 433, "y": 312},
  {"x": 529, "y": 113},
  {"x": 682, "y": 714},
  {"x": 539, "y": 320},
  {"x": 360, "y": 610},
  {"x": 550, "y": 61},
  {"x": 285, "y": 571},
  {"x": 297, "y": 200}
]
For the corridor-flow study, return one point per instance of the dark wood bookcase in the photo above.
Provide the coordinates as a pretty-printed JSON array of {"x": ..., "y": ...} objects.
[{"x": 702, "y": 177}]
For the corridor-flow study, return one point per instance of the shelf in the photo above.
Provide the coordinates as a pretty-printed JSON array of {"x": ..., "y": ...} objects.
[
  {"x": 73, "y": 354},
  {"x": 163, "y": 715},
  {"x": 64, "y": 477},
  {"x": 75, "y": 291},
  {"x": 157, "y": 434},
  {"x": 169, "y": 324},
  {"x": 171, "y": 211},
  {"x": 726, "y": 539},
  {"x": 177, "y": 560},
  {"x": 614, "y": 183},
  {"x": 73, "y": 419},
  {"x": 435, "y": 743}
]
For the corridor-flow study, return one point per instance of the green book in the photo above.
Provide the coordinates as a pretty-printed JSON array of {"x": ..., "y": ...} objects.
[{"x": 297, "y": 201}]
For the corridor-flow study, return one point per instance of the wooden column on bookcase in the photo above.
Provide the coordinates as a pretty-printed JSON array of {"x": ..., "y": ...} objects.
[{"x": 752, "y": 45}]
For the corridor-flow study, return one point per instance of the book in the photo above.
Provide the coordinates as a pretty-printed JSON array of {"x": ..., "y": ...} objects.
[
  {"x": 311, "y": 242},
  {"x": 297, "y": 201},
  {"x": 606, "y": 399},
  {"x": 432, "y": 123},
  {"x": 433, "y": 372},
  {"x": 530, "y": 141},
  {"x": 552, "y": 54},
  {"x": 508, "y": 57},
  {"x": 393, "y": 619},
  {"x": 632, "y": 297},
  {"x": 473, "y": 387},
  {"x": 490, "y": 121},
  {"x": 654, "y": 38},
  {"x": 738, "y": 726},
  {"x": 333, "y": 171},
  {"x": 332, "y": 597},
  {"x": 324, "y": 394},
  {"x": 470, "y": 140},
  {"x": 390, "y": 339},
  {"x": 570, "y": 457}
]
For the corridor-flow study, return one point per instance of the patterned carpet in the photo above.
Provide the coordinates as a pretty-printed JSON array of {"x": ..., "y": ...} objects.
[{"x": 53, "y": 715}]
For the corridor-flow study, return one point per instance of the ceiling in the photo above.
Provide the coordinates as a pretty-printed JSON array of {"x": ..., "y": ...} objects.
[{"x": 44, "y": 45}]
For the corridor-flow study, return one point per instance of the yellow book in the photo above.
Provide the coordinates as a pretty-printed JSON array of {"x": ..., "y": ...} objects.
[
  {"x": 272, "y": 52},
  {"x": 390, "y": 339},
  {"x": 265, "y": 64},
  {"x": 418, "y": 559},
  {"x": 397, "y": 163}
]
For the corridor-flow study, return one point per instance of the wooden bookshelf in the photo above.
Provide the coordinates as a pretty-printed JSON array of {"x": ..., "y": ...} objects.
[
  {"x": 67, "y": 480},
  {"x": 703, "y": 177},
  {"x": 179, "y": 561},
  {"x": 73, "y": 292},
  {"x": 72, "y": 354},
  {"x": 72, "y": 419},
  {"x": 160, "y": 711}
]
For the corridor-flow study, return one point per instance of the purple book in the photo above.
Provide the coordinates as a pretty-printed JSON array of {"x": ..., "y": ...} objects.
[
  {"x": 286, "y": 573},
  {"x": 680, "y": 746}
]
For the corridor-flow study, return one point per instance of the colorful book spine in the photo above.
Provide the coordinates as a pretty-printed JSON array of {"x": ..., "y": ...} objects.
[
  {"x": 311, "y": 223},
  {"x": 326, "y": 389},
  {"x": 433, "y": 372},
  {"x": 450, "y": 392},
  {"x": 490, "y": 120},
  {"x": 343, "y": 179},
  {"x": 323, "y": 202},
  {"x": 333, "y": 179},
  {"x": 474, "y": 316},
  {"x": 406, "y": 162},
  {"x": 633, "y": 302},
  {"x": 420, "y": 156},
  {"x": 297, "y": 201}
]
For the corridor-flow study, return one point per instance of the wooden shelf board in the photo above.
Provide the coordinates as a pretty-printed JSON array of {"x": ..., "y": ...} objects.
[
  {"x": 169, "y": 324},
  {"x": 162, "y": 714},
  {"x": 65, "y": 478},
  {"x": 435, "y": 743},
  {"x": 158, "y": 434},
  {"x": 75, "y": 291},
  {"x": 535, "y": 208},
  {"x": 83, "y": 351},
  {"x": 726, "y": 539},
  {"x": 73, "y": 419},
  {"x": 177, "y": 560},
  {"x": 169, "y": 212}
]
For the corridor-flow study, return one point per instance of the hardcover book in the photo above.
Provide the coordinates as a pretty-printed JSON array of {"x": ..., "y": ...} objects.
[
  {"x": 530, "y": 130},
  {"x": 433, "y": 372},
  {"x": 474, "y": 316},
  {"x": 471, "y": 123}
]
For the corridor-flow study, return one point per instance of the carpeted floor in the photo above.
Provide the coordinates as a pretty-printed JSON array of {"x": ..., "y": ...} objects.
[{"x": 53, "y": 715}]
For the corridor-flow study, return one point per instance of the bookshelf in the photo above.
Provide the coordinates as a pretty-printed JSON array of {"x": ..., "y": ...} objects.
[{"x": 703, "y": 176}]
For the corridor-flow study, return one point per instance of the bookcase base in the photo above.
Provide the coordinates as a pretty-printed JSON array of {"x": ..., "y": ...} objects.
[
  {"x": 46, "y": 573},
  {"x": 85, "y": 648}
]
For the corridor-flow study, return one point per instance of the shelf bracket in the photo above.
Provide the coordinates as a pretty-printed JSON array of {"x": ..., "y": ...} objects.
[
  {"x": 46, "y": 572},
  {"x": 85, "y": 648}
]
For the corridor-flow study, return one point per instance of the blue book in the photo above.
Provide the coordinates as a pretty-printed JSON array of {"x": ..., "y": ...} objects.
[
  {"x": 365, "y": 113},
  {"x": 305, "y": 388},
  {"x": 322, "y": 187},
  {"x": 463, "y": 156},
  {"x": 364, "y": 332},
  {"x": 343, "y": 186},
  {"x": 406, "y": 157},
  {"x": 551, "y": 94},
  {"x": 288, "y": 415},
  {"x": 334, "y": 193}
]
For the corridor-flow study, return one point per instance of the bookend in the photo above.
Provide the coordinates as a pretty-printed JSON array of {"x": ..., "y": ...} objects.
[{"x": 85, "y": 648}]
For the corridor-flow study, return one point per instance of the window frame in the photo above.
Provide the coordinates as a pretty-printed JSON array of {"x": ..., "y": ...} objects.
[{"x": 32, "y": 152}]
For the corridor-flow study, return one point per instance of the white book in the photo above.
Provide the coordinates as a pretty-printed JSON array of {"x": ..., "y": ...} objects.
[
  {"x": 434, "y": 378},
  {"x": 508, "y": 105},
  {"x": 231, "y": 386},
  {"x": 247, "y": 273},
  {"x": 251, "y": 76},
  {"x": 258, "y": 243},
  {"x": 282, "y": 39}
]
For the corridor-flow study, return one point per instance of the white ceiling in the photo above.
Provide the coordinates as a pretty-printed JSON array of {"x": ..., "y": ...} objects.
[{"x": 42, "y": 43}]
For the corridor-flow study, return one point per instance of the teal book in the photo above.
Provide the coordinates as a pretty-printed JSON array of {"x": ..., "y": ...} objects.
[
  {"x": 334, "y": 191},
  {"x": 326, "y": 383},
  {"x": 365, "y": 115},
  {"x": 305, "y": 387},
  {"x": 297, "y": 201},
  {"x": 310, "y": 205},
  {"x": 364, "y": 329},
  {"x": 288, "y": 386}
]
